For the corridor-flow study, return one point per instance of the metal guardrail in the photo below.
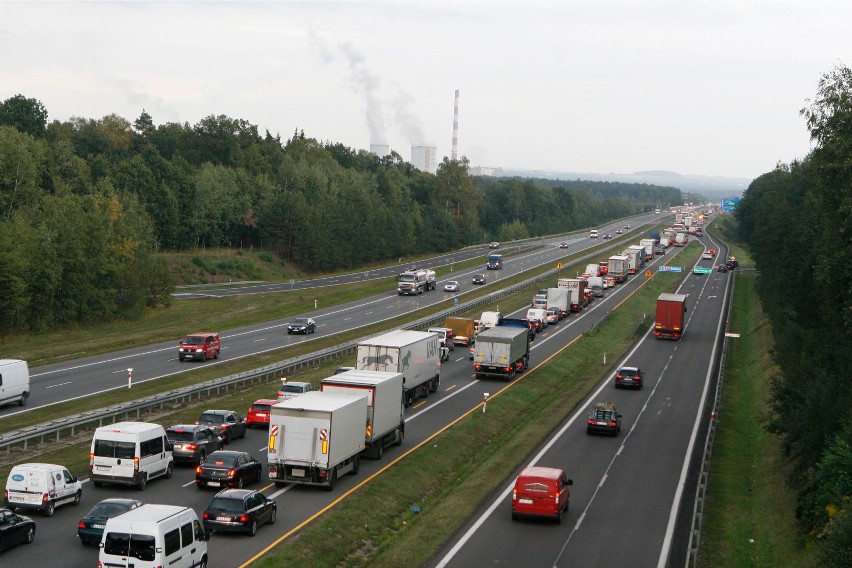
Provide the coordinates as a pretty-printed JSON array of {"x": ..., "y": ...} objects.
[{"x": 54, "y": 430}]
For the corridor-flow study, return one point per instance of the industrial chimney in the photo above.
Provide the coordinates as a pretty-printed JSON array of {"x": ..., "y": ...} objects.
[{"x": 454, "y": 156}]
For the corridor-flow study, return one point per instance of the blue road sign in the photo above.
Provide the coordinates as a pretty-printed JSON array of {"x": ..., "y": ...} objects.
[{"x": 669, "y": 269}]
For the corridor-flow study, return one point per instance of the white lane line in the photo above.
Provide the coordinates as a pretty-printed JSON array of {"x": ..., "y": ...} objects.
[{"x": 59, "y": 384}]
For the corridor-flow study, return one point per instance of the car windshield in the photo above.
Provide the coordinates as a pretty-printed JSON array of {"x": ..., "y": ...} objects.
[
  {"x": 292, "y": 388},
  {"x": 193, "y": 340},
  {"x": 225, "y": 504},
  {"x": 180, "y": 435},
  {"x": 601, "y": 415},
  {"x": 109, "y": 509},
  {"x": 300, "y": 321},
  {"x": 452, "y": 283},
  {"x": 212, "y": 418},
  {"x": 261, "y": 407}
]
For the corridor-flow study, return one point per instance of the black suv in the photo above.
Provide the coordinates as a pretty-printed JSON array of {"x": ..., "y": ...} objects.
[
  {"x": 240, "y": 510},
  {"x": 604, "y": 419},
  {"x": 629, "y": 377},
  {"x": 192, "y": 442},
  {"x": 731, "y": 263}
]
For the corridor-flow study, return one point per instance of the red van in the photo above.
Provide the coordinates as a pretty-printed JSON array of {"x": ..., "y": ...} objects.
[
  {"x": 541, "y": 492},
  {"x": 202, "y": 346}
]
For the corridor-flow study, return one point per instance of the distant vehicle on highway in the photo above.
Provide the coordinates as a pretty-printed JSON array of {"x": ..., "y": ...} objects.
[
  {"x": 541, "y": 492},
  {"x": 226, "y": 423},
  {"x": 302, "y": 325},
  {"x": 494, "y": 245},
  {"x": 226, "y": 468},
  {"x": 239, "y": 510},
  {"x": 451, "y": 286},
  {"x": 478, "y": 279},
  {"x": 629, "y": 377},
  {"x": 604, "y": 419},
  {"x": 563, "y": 245},
  {"x": 201, "y": 346}
]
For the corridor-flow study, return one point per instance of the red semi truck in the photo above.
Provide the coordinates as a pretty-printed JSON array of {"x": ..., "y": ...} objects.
[{"x": 671, "y": 316}]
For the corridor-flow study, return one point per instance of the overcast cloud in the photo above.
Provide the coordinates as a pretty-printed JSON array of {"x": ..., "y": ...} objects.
[{"x": 711, "y": 88}]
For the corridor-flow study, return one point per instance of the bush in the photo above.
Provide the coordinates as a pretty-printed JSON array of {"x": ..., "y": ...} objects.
[{"x": 265, "y": 257}]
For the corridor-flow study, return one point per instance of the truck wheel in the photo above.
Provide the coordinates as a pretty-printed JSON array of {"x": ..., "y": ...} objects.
[
  {"x": 433, "y": 385},
  {"x": 380, "y": 450},
  {"x": 409, "y": 397},
  {"x": 400, "y": 436},
  {"x": 332, "y": 480},
  {"x": 23, "y": 401},
  {"x": 356, "y": 465}
]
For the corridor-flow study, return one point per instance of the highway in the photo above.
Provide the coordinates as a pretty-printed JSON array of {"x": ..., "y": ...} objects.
[
  {"x": 458, "y": 393},
  {"x": 87, "y": 376},
  {"x": 627, "y": 490}
]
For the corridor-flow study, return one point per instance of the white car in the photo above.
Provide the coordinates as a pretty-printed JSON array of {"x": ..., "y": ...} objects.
[
  {"x": 451, "y": 286},
  {"x": 707, "y": 256}
]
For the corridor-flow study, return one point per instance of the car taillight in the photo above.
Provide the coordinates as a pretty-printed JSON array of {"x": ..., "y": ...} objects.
[
  {"x": 244, "y": 518},
  {"x": 619, "y": 377},
  {"x": 590, "y": 421},
  {"x": 232, "y": 473},
  {"x": 81, "y": 524},
  {"x": 198, "y": 469},
  {"x": 44, "y": 497},
  {"x": 191, "y": 446},
  {"x": 514, "y": 494},
  {"x": 477, "y": 366},
  {"x": 223, "y": 427},
  {"x": 136, "y": 463},
  {"x": 611, "y": 423},
  {"x": 205, "y": 516}
]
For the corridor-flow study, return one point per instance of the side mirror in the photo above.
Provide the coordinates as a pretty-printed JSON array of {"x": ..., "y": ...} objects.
[
  {"x": 73, "y": 479},
  {"x": 570, "y": 482},
  {"x": 170, "y": 446}
]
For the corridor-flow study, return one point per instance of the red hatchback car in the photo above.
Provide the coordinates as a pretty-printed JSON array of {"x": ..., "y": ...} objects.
[
  {"x": 541, "y": 492},
  {"x": 258, "y": 412}
]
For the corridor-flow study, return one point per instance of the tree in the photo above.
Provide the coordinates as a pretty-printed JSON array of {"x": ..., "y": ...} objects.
[
  {"x": 143, "y": 125},
  {"x": 21, "y": 166},
  {"x": 27, "y": 115}
]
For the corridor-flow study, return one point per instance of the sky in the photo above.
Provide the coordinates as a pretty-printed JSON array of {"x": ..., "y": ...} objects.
[{"x": 694, "y": 87}]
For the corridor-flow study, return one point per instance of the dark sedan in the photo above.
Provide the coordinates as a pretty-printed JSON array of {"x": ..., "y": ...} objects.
[
  {"x": 15, "y": 529},
  {"x": 227, "y": 469},
  {"x": 239, "y": 510},
  {"x": 225, "y": 423},
  {"x": 629, "y": 377},
  {"x": 90, "y": 529},
  {"x": 302, "y": 325},
  {"x": 478, "y": 279}
]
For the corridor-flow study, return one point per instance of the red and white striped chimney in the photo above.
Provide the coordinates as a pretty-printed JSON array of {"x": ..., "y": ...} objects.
[{"x": 455, "y": 153}]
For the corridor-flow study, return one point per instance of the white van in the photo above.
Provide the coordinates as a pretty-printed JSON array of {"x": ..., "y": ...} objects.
[
  {"x": 154, "y": 535},
  {"x": 488, "y": 320},
  {"x": 14, "y": 381},
  {"x": 130, "y": 453},
  {"x": 41, "y": 486}
]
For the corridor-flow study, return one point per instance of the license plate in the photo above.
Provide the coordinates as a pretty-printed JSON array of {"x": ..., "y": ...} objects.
[
  {"x": 98, "y": 526},
  {"x": 525, "y": 501},
  {"x": 103, "y": 468},
  {"x": 213, "y": 483},
  {"x": 261, "y": 414},
  {"x": 297, "y": 472},
  {"x": 601, "y": 423},
  {"x": 226, "y": 519}
]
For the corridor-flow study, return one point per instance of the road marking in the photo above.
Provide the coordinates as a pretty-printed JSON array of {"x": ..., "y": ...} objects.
[
  {"x": 60, "y": 384},
  {"x": 448, "y": 389}
]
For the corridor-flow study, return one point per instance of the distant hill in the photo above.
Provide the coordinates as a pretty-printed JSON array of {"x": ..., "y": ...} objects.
[{"x": 711, "y": 187}]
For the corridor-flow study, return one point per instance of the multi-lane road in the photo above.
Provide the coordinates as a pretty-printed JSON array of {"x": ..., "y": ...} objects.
[{"x": 619, "y": 483}]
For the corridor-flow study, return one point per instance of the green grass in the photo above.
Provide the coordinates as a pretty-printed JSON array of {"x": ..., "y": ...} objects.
[{"x": 749, "y": 516}]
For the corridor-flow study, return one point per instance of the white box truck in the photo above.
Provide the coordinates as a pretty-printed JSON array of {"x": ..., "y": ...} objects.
[
  {"x": 501, "y": 352},
  {"x": 14, "y": 381},
  {"x": 315, "y": 438},
  {"x": 649, "y": 245},
  {"x": 576, "y": 288},
  {"x": 617, "y": 268},
  {"x": 415, "y": 354},
  {"x": 385, "y": 424},
  {"x": 634, "y": 262},
  {"x": 558, "y": 298}
]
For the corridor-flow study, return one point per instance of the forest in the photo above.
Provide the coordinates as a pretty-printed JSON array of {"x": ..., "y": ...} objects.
[
  {"x": 797, "y": 220},
  {"x": 87, "y": 204}
]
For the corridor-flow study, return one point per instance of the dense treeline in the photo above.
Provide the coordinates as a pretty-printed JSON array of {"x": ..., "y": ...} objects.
[
  {"x": 798, "y": 221},
  {"x": 85, "y": 204}
]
